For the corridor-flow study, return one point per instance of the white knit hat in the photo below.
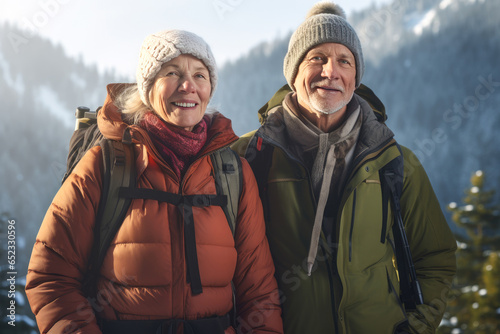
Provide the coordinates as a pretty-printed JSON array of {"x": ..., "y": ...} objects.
[
  {"x": 164, "y": 46},
  {"x": 325, "y": 23}
]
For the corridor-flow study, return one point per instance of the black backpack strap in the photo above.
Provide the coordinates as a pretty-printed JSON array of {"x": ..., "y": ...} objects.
[
  {"x": 392, "y": 176},
  {"x": 118, "y": 172},
  {"x": 212, "y": 325}
]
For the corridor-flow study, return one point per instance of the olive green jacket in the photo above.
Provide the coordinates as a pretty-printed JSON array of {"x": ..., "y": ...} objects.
[{"x": 354, "y": 285}]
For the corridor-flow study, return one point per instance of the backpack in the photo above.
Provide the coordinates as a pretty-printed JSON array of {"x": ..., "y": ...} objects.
[
  {"x": 391, "y": 177},
  {"x": 119, "y": 188}
]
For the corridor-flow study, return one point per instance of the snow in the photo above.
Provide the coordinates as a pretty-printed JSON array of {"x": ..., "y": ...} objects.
[
  {"x": 20, "y": 298},
  {"x": 412, "y": 20},
  {"x": 425, "y": 22},
  {"x": 4, "y": 67},
  {"x": 419, "y": 22},
  {"x": 24, "y": 318},
  {"x": 444, "y": 4},
  {"x": 50, "y": 101},
  {"x": 78, "y": 81},
  {"x": 18, "y": 83}
]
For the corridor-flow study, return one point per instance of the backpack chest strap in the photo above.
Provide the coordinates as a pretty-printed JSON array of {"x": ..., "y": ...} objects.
[
  {"x": 185, "y": 203},
  {"x": 172, "y": 198}
]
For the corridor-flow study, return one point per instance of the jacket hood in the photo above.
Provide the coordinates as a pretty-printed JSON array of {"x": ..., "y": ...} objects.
[
  {"x": 109, "y": 118},
  {"x": 112, "y": 126}
]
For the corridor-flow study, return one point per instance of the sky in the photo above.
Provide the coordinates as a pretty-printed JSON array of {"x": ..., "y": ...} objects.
[{"x": 109, "y": 33}]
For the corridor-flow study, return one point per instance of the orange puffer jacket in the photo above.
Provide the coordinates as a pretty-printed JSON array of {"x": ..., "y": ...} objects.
[{"x": 144, "y": 271}]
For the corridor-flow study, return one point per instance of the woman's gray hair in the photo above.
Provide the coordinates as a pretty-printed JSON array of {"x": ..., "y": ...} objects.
[{"x": 130, "y": 103}]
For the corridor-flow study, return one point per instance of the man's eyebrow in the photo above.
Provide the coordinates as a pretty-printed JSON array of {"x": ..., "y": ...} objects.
[
  {"x": 315, "y": 52},
  {"x": 346, "y": 55}
]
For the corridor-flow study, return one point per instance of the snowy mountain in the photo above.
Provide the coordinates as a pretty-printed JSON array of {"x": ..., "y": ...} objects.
[
  {"x": 442, "y": 90},
  {"x": 433, "y": 63}
]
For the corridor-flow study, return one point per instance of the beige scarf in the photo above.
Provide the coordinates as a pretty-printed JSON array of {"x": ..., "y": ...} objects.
[{"x": 329, "y": 153}]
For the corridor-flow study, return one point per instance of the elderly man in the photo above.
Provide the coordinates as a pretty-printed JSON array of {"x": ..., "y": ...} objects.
[{"x": 321, "y": 158}]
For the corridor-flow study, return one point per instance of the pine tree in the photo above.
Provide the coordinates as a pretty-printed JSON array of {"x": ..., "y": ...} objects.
[{"x": 474, "y": 305}]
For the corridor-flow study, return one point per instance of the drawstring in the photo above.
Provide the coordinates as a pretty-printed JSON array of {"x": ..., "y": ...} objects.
[
  {"x": 335, "y": 165},
  {"x": 318, "y": 219}
]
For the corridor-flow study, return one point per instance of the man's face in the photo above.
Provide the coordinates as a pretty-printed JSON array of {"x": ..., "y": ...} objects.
[{"x": 326, "y": 79}]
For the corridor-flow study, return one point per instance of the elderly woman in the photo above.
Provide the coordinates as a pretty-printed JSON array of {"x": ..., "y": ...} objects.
[{"x": 144, "y": 283}]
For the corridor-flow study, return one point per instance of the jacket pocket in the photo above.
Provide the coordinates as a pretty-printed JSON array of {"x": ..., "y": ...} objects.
[
  {"x": 362, "y": 218},
  {"x": 371, "y": 296}
]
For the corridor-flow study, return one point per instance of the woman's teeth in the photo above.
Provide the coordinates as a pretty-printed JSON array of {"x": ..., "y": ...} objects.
[{"x": 185, "y": 105}]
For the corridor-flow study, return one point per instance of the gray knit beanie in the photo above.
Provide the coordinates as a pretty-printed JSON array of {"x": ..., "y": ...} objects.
[
  {"x": 325, "y": 23},
  {"x": 164, "y": 46}
]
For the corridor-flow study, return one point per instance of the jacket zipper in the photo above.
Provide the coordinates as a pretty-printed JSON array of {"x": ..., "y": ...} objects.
[
  {"x": 357, "y": 162},
  {"x": 352, "y": 224}
]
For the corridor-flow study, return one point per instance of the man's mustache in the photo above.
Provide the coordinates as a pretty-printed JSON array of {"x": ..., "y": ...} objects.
[{"x": 328, "y": 85}]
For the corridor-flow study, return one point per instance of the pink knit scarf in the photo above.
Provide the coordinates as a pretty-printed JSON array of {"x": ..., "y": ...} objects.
[{"x": 178, "y": 147}]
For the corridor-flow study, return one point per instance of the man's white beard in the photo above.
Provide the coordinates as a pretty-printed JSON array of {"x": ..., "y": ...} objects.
[{"x": 326, "y": 107}]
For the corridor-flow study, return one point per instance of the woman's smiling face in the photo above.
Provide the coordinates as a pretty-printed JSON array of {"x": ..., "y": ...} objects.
[{"x": 181, "y": 91}]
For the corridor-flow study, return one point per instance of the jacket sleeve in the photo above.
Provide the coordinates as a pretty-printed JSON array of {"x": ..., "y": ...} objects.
[
  {"x": 257, "y": 299},
  {"x": 431, "y": 242},
  {"x": 59, "y": 257}
]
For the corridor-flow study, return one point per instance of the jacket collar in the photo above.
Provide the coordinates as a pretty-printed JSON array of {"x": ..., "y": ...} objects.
[{"x": 373, "y": 134}]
